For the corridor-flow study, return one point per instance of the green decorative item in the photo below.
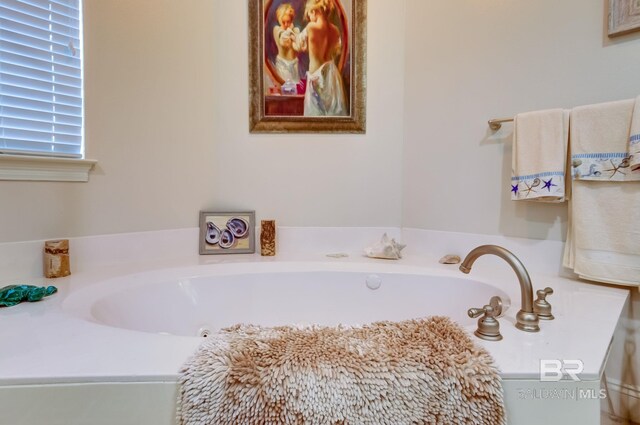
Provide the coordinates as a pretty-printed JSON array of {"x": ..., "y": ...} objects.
[{"x": 15, "y": 294}]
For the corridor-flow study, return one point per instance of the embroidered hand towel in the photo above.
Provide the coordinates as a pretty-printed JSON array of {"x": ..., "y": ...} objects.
[
  {"x": 600, "y": 142},
  {"x": 539, "y": 156},
  {"x": 634, "y": 138},
  {"x": 603, "y": 241}
]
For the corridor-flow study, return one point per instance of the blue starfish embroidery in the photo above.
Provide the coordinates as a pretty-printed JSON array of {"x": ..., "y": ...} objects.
[
  {"x": 514, "y": 189},
  {"x": 548, "y": 184}
]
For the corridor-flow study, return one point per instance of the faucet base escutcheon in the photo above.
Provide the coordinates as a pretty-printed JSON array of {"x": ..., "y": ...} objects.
[
  {"x": 488, "y": 326},
  {"x": 527, "y": 321}
]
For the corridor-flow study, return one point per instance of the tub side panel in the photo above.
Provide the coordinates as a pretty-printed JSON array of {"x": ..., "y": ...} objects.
[{"x": 89, "y": 404}]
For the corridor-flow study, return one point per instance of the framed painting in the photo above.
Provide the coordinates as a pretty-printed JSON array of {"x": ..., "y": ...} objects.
[
  {"x": 307, "y": 66},
  {"x": 227, "y": 232},
  {"x": 624, "y": 17}
]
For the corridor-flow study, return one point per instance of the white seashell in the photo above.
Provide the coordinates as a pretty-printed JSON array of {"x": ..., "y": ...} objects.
[
  {"x": 450, "y": 259},
  {"x": 387, "y": 248},
  {"x": 338, "y": 255}
]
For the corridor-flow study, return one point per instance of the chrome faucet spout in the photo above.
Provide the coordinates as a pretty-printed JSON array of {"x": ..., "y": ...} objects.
[{"x": 527, "y": 320}]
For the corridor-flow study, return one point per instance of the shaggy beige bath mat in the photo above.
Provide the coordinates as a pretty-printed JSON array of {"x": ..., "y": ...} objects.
[{"x": 414, "y": 372}]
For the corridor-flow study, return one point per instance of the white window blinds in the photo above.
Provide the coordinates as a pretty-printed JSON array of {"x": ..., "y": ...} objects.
[{"x": 41, "y": 77}]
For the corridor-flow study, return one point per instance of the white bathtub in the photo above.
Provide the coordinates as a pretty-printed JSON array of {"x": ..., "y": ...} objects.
[
  {"x": 190, "y": 302},
  {"x": 118, "y": 336}
]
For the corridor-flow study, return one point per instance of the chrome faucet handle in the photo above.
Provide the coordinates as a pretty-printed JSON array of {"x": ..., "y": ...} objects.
[
  {"x": 541, "y": 306},
  {"x": 488, "y": 325}
]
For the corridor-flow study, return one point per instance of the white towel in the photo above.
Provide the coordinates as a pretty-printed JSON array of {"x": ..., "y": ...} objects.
[
  {"x": 603, "y": 241},
  {"x": 600, "y": 142},
  {"x": 634, "y": 138},
  {"x": 540, "y": 156}
]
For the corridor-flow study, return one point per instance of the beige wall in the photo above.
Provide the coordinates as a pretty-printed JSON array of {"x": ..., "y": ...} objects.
[
  {"x": 149, "y": 101},
  {"x": 468, "y": 61},
  {"x": 166, "y": 108},
  {"x": 166, "y": 118},
  {"x": 312, "y": 180}
]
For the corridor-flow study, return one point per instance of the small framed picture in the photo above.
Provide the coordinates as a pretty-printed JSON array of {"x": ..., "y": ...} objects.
[{"x": 227, "y": 232}]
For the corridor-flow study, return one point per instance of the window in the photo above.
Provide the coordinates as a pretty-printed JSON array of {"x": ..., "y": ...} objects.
[{"x": 41, "y": 91}]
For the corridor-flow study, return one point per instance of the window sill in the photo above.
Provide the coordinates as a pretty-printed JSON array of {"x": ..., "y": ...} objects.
[{"x": 33, "y": 168}]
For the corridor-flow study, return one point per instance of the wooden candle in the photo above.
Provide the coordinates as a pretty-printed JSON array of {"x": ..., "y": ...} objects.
[
  {"x": 268, "y": 238},
  {"x": 56, "y": 258}
]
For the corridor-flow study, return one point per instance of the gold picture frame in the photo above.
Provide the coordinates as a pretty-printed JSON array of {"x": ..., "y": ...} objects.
[{"x": 276, "y": 108}]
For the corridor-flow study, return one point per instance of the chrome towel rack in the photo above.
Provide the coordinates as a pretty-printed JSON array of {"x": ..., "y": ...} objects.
[{"x": 496, "y": 123}]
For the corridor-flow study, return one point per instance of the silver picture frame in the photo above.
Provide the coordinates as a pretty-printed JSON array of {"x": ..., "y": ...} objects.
[
  {"x": 624, "y": 17},
  {"x": 227, "y": 232}
]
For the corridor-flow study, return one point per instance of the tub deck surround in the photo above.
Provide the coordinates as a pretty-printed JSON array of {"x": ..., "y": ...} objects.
[
  {"x": 49, "y": 344},
  {"x": 81, "y": 370}
]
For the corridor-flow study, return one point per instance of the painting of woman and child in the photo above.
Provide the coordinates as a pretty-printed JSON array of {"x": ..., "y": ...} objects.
[{"x": 307, "y": 58}]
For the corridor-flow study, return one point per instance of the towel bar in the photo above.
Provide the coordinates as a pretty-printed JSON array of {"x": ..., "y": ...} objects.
[{"x": 496, "y": 123}]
